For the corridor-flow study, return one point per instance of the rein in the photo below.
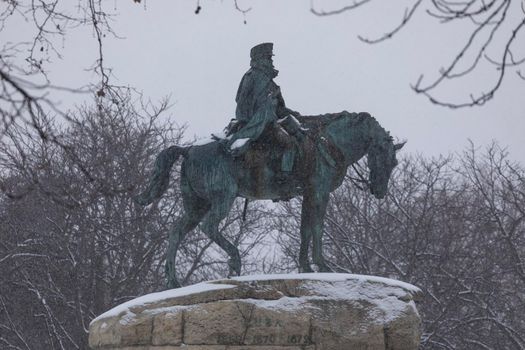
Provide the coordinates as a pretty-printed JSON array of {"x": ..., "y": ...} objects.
[{"x": 358, "y": 181}]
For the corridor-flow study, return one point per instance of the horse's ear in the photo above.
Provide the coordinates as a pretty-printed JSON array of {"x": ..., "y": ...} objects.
[{"x": 398, "y": 146}]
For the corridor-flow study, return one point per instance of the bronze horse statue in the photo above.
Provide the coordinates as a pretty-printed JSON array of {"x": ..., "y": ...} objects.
[{"x": 211, "y": 179}]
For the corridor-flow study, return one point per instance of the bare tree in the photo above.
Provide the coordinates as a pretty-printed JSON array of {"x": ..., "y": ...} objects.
[
  {"x": 73, "y": 243},
  {"x": 493, "y": 43},
  {"x": 453, "y": 227},
  {"x": 25, "y": 87},
  {"x": 24, "y": 84}
]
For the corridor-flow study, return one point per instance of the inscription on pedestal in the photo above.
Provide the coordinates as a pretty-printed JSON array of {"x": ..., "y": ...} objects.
[
  {"x": 266, "y": 322},
  {"x": 260, "y": 339},
  {"x": 299, "y": 339}
]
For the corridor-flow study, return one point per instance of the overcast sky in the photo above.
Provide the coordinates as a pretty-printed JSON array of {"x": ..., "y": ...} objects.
[{"x": 199, "y": 60}]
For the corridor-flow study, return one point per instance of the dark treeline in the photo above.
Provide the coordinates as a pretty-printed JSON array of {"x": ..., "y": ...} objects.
[{"x": 73, "y": 243}]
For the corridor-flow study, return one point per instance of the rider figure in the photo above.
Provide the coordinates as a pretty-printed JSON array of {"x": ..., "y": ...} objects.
[{"x": 260, "y": 104}]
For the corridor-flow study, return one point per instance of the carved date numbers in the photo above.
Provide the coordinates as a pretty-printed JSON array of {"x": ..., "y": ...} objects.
[
  {"x": 259, "y": 339},
  {"x": 299, "y": 339}
]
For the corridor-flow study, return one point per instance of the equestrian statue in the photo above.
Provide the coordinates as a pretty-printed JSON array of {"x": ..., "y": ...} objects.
[{"x": 270, "y": 152}]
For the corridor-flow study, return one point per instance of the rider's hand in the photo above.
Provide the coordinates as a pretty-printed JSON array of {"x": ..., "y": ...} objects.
[{"x": 293, "y": 113}]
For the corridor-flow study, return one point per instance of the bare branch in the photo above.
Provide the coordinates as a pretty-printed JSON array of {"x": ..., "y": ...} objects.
[
  {"x": 490, "y": 18},
  {"x": 355, "y": 4},
  {"x": 407, "y": 16},
  {"x": 240, "y": 9},
  {"x": 485, "y": 96},
  {"x": 13, "y": 328}
]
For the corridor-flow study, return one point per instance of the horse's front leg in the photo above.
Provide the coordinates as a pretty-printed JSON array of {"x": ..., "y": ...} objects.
[
  {"x": 304, "y": 264},
  {"x": 312, "y": 219},
  {"x": 306, "y": 235}
]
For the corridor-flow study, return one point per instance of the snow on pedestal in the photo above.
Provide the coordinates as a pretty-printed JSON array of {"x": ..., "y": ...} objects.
[{"x": 267, "y": 312}]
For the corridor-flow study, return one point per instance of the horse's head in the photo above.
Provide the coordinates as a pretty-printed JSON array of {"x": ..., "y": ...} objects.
[{"x": 381, "y": 161}]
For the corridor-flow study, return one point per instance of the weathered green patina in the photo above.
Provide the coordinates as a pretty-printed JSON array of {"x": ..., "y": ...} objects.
[
  {"x": 260, "y": 104},
  {"x": 271, "y": 152},
  {"x": 211, "y": 178}
]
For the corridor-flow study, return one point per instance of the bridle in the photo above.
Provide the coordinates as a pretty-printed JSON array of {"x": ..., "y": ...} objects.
[{"x": 358, "y": 182}]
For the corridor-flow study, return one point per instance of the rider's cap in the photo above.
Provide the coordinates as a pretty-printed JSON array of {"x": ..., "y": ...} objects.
[{"x": 261, "y": 50}]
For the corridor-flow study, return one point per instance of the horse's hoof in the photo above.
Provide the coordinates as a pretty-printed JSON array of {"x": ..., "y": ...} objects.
[
  {"x": 173, "y": 284},
  {"x": 306, "y": 269},
  {"x": 233, "y": 274},
  {"x": 325, "y": 269},
  {"x": 234, "y": 266}
]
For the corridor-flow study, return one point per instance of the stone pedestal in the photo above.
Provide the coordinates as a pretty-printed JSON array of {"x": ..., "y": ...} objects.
[{"x": 267, "y": 312}]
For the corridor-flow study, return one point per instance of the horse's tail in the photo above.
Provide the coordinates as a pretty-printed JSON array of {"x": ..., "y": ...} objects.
[{"x": 160, "y": 178}]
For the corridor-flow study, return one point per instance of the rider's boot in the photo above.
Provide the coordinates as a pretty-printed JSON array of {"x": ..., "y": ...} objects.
[{"x": 284, "y": 177}]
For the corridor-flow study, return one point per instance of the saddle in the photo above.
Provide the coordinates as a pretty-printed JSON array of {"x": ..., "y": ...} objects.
[
  {"x": 266, "y": 153},
  {"x": 276, "y": 140},
  {"x": 273, "y": 156}
]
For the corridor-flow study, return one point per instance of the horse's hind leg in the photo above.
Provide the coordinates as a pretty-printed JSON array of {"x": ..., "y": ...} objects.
[
  {"x": 183, "y": 225},
  {"x": 194, "y": 211},
  {"x": 220, "y": 208}
]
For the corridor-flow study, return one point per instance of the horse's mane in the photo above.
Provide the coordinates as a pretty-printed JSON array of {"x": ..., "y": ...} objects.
[{"x": 321, "y": 121}]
